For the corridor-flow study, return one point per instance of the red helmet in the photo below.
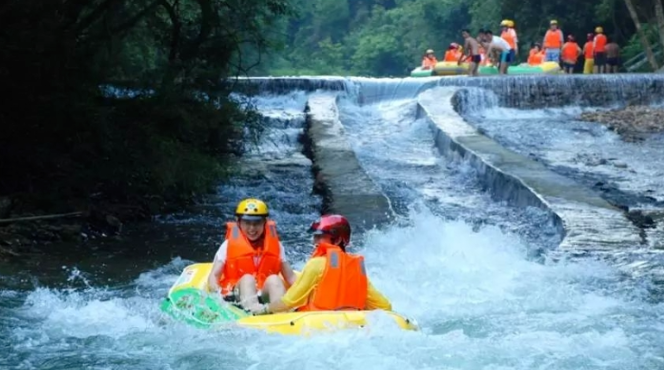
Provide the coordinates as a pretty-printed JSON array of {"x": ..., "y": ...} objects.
[{"x": 336, "y": 226}]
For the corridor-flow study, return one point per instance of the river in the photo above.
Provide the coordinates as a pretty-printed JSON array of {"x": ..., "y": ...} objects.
[{"x": 473, "y": 273}]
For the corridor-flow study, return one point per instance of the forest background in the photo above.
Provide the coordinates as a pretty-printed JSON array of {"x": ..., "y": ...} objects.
[{"x": 124, "y": 107}]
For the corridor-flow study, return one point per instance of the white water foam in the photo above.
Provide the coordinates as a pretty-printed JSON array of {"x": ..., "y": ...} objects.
[
  {"x": 480, "y": 302},
  {"x": 557, "y": 136}
]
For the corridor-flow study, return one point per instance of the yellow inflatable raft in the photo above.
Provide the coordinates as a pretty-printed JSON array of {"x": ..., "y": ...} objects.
[
  {"x": 450, "y": 69},
  {"x": 188, "y": 301}
]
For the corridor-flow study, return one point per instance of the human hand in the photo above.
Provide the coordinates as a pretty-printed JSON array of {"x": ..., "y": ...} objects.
[{"x": 259, "y": 309}]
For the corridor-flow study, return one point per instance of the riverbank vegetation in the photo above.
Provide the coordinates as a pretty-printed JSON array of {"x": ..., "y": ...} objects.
[
  {"x": 72, "y": 140},
  {"x": 388, "y": 37},
  {"x": 115, "y": 109}
]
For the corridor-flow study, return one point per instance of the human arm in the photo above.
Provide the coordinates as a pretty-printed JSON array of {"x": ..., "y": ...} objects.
[
  {"x": 466, "y": 47},
  {"x": 425, "y": 63},
  {"x": 376, "y": 300},
  {"x": 288, "y": 273},
  {"x": 562, "y": 37},
  {"x": 516, "y": 42},
  {"x": 489, "y": 49},
  {"x": 286, "y": 269},
  {"x": 298, "y": 294},
  {"x": 217, "y": 268}
]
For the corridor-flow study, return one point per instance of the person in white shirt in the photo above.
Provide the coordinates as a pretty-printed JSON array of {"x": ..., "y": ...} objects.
[{"x": 496, "y": 43}]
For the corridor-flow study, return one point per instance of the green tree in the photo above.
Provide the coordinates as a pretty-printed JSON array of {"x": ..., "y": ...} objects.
[{"x": 62, "y": 137}]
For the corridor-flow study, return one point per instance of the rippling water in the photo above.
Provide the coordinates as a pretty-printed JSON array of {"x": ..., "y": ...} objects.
[{"x": 458, "y": 263}]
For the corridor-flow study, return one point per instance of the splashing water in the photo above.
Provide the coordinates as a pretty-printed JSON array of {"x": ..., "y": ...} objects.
[
  {"x": 481, "y": 303},
  {"x": 468, "y": 279},
  {"x": 398, "y": 151}
]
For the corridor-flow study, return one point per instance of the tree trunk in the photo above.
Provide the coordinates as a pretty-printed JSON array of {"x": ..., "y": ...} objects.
[
  {"x": 642, "y": 35},
  {"x": 659, "y": 13}
]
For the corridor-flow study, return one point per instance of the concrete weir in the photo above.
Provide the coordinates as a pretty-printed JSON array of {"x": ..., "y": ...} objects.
[
  {"x": 589, "y": 222},
  {"x": 344, "y": 185}
]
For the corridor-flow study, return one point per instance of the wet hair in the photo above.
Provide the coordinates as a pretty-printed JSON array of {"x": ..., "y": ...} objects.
[{"x": 488, "y": 32}]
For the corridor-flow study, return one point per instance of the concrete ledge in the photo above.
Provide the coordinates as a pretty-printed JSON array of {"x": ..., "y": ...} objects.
[
  {"x": 589, "y": 222},
  {"x": 339, "y": 178},
  {"x": 284, "y": 85}
]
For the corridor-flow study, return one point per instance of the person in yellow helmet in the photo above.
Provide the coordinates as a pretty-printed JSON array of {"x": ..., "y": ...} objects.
[
  {"x": 553, "y": 42},
  {"x": 248, "y": 263},
  {"x": 599, "y": 48},
  {"x": 509, "y": 34}
]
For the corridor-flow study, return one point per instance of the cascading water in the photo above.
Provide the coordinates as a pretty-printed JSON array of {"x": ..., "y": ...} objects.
[
  {"x": 398, "y": 151},
  {"x": 481, "y": 301}
]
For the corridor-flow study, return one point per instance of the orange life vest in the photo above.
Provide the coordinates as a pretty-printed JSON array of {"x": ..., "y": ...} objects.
[
  {"x": 589, "y": 51},
  {"x": 600, "y": 43},
  {"x": 344, "y": 283},
  {"x": 535, "y": 57},
  {"x": 429, "y": 63},
  {"x": 553, "y": 39},
  {"x": 452, "y": 56},
  {"x": 570, "y": 53},
  {"x": 509, "y": 35},
  {"x": 241, "y": 256}
]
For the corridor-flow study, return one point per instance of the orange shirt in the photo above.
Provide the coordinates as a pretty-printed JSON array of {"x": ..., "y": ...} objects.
[
  {"x": 509, "y": 35},
  {"x": 452, "y": 55},
  {"x": 429, "y": 63},
  {"x": 600, "y": 43},
  {"x": 535, "y": 57},
  {"x": 588, "y": 50},
  {"x": 553, "y": 39},
  {"x": 570, "y": 52}
]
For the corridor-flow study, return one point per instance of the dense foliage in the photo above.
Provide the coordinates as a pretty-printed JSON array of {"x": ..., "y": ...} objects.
[
  {"x": 67, "y": 137},
  {"x": 388, "y": 37}
]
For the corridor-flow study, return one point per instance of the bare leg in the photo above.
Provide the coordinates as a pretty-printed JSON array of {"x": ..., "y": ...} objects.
[
  {"x": 473, "y": 68},
  {"x": 247, "y": 289},
  {"x": 274, "y": 288}
]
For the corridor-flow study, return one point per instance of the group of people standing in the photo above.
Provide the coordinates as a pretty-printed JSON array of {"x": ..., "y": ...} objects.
[{"x": 600, "y": 55}]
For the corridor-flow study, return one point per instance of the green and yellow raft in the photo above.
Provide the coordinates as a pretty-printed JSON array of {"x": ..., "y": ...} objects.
[
  {"x": 453, "y": 69},
  {"x": 188, "y": 301}
]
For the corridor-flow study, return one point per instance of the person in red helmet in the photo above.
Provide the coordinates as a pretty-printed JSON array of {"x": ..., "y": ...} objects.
[{"x": 332, "y": 279}]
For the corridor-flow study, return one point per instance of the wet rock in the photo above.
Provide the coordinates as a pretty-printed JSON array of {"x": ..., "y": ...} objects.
[
  {"x": 633, "y": 123},
  {"x": 641, "y": 220},
  {"x": 71, "y": 232}
]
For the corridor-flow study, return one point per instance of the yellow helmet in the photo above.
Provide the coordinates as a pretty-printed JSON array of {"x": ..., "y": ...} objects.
[
  {"x": 504, "y": 22},
  {"x": 599, "y": 30},
  {"x": 553, "y": 21},
  {"x": 429, "y": 51},
  {"x": 252, "y": 209},
  {"x": 510, "y": 23}
]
